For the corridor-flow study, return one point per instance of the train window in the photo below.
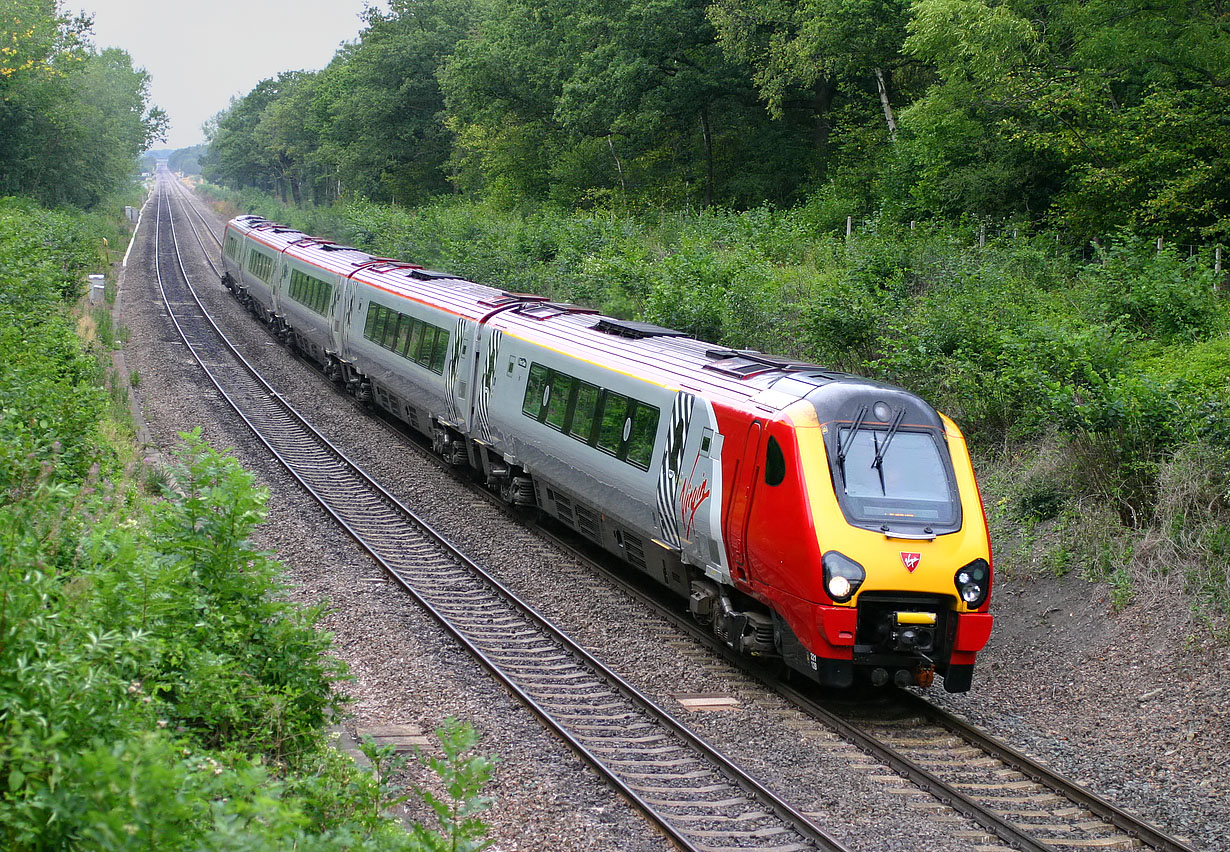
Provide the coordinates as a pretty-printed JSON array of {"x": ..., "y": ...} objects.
[
  {"x": 422, "y": 352},
  {"x": 389, "y": 339},
  {"x": 403, "y": 334},
  {"x": 644, "y": 430},
  {"x": 774, "y": 464},
  {"x": 414, "y": 339},
  {"x": 373, "y": 311},
  {"x": 584, "y": 412},
  {"x": 316, "y": 294},
  {"x": 382, "y": 320},
  {"x": 404, "y": 327},
  {"x": 260, "y": 264},
  {"x": 557, "y": 402},
  {"x": 440, "y": 353},
  {"x": 611, "y": 427},
  {"x": 534, "y": 390}
]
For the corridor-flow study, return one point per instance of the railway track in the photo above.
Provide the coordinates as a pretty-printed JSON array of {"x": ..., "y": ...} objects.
[
  {"x": 1018, "y": 802},
  {"x": 698, "y": 797}
]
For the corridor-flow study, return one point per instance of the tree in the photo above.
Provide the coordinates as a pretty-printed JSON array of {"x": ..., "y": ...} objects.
[
  {"x": 596, "y": 100},
  {"x": 72, "y": 120},
  {"x": 1126, "y": 103},
  {"x": 808, "y": 52}
]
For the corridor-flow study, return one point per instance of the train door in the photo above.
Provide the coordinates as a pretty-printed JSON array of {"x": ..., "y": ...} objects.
[
  {"x": 690, "y": 485},
  {"x": 343, "y": 315},
  {"x": 747, "y": 474},
  {"x": 459, "y": 371},
  {"x": 278, "y": 283},
  {"x": 484, "y": 360}
]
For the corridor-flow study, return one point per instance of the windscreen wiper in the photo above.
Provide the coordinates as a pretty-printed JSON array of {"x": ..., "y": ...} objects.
[
  {"x": 841, "y": 451},
  {"x": 881, "y": 449}
]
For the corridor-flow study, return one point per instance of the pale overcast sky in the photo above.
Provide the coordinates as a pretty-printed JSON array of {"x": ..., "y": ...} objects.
[{"x": 202, "y": 54}]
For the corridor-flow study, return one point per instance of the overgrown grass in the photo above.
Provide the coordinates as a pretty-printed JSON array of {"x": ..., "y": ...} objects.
[
  {"x": 1103, "y": 382},
  {"x": 156, "y": 689}
]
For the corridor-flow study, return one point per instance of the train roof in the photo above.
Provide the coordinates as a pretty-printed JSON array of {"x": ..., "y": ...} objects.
[{"x": 648, "y": 352}]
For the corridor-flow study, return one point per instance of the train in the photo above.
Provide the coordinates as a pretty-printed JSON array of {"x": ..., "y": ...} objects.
[{"x": 817, "y": 517}]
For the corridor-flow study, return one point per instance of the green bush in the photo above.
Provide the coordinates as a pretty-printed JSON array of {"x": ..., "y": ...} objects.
[
  {"x": 1152, "y": 294},
  {"x": 156, "y": 689}
]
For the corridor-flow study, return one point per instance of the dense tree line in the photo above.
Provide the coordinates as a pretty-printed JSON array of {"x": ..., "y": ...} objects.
[
  {"x": 72, "y": 118},
  {"x": 1091, "y": 114}
]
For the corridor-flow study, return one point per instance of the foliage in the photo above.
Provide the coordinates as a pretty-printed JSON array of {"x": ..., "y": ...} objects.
[
  {"x": 157, "y": 690},
  {"x": 460, "y": 778},
  {"x": 1112, "y": 112},
  {"x": 48, "y": 402},
  {"x": 1074, "y": 113},
  {"x": 72, "y": 118}
]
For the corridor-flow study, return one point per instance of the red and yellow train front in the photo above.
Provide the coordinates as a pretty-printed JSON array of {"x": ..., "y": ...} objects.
[{"x": 865, "y": 533}]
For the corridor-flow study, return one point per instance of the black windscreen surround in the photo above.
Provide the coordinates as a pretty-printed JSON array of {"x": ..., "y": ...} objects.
[{"x": 911, "y": 484}]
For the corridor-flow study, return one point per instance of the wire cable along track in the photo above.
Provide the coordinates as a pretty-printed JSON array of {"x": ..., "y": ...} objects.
[{"x": 700, "y": 799}]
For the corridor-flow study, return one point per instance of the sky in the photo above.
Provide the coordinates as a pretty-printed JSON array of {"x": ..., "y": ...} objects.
[{"x": 200, "y": 55}]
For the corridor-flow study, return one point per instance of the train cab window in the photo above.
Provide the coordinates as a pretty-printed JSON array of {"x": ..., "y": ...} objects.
[
  {"x": 232, "y": 246},
  {"x": 536, "y": 391},
  {"x": 611, "y": 427},
  {"x": 774, "y": 463},
  {"x": 641, "y": 436},
  {"x": 558, "y": 399},
  {"x": 910, "y": 484},
  {"x": 584, "y": 412}
]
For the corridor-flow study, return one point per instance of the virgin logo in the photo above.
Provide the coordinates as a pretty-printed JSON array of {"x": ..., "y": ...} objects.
[
  {"x": 692, "y": 497},
  {"x": 910, "y": 561}
]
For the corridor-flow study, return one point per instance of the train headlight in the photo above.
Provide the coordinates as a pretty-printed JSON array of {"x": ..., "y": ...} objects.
[
  {"x": 973, "y": 582},
  {"x": 842, "y": 576}
]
